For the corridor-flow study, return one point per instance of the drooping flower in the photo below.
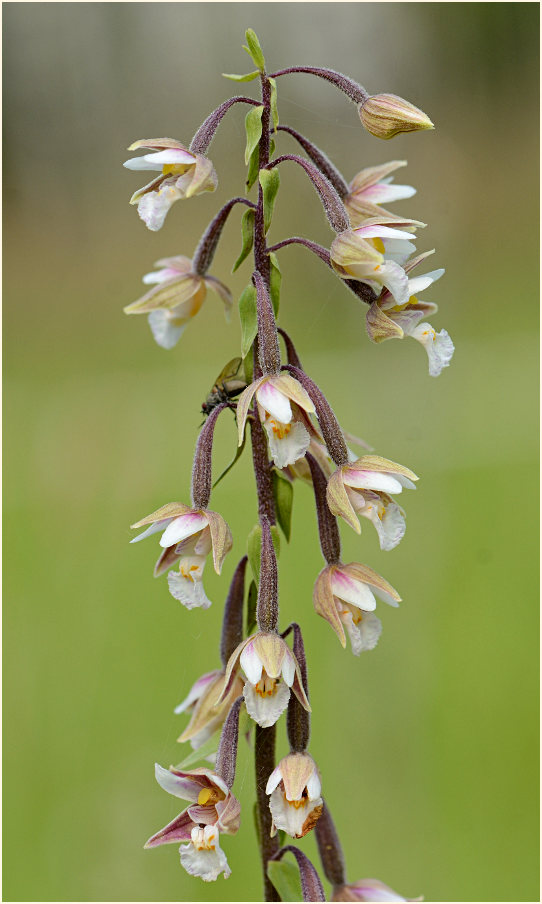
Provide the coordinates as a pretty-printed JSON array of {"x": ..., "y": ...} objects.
[
  {"x": 271, "y": 670},
  {"x": 389, "y": 319},
  {"x": 367, "y": 890},
  {"x": 189, "y": 535},
  {"x": 364, "y": 487},
  {"x": 213, "y": 810},
  {"x": 182, "y": 175},
  {"x": 287, "y": 434},
  {"x": 371, "y": 188},
  {"x": 345, "y": 596},
  {"x": 206, "y": 715},
  {"x": 177, "y": 297},
  {"x": 295, "y": 789},
  {"x": 375, "y": 253},
  {"x": 385, "y": 115}
]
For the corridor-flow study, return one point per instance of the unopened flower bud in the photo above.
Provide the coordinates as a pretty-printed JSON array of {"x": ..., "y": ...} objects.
[{"x": 384, "y": 115}]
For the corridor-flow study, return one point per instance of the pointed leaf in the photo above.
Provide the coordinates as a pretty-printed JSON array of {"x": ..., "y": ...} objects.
[
  {"x": 210, "y": 746},
  {"x": 253, "y": 168},
  {"x": 254, "y": 50},
  {"x": 248, "y": 367},
  {"x": 249, "y": 77},
  {"x": 274, "y": 282},
  {"x": 247, "y": 233},
  {"x": 283, "y": 491},
  {"x": 253, "y": 127},
  {"x": 270, "y": 181},
  {"x": 249, "y": 319},
  {"x": 274, "y": 108},
  {"x": 234, "y": 460},
  {"x": 285, "y": 878}
]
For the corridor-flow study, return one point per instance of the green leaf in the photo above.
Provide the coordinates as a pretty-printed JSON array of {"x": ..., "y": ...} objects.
[
  {"x": 251, "y": 608},
  {"x": 256, "y": 815},
  {"x": 271, "y": 147},
  {"x": 235, "y": 459},
  {"x": 249, "y": 319},
  {"x": 248, "y": 366},
  {"x": 249, "y": 77},
  {"x": 270, "y": 181},
  {"x": 247, "y": 232},
  {"x": 283, "y": 491},
  {"x": 254, "y": 547},
  {"x": 274, "y": 282},
  {"x": 253, "y": 168},
  {"x": 285, "y": 878},
  {"x": 254, "y": 50},
  {"x": 210, "y": 746},
  {"x": 274, "y": 108},
  {"x": 253, "y": 128}
]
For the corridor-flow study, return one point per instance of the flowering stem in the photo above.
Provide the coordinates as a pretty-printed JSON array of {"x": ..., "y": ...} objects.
[
  {"x": 232, "y": 623},
  {"x": 298, "y": 723},
  {"x": 331, "y": 430},
  {"x": 202, "y": 468},
  {"x": 205, "y": 134},
  {"x": 203, "y": 256},
  {"x": 311, "y": 887},
  {"x": 267, "y": 606},
  {"x": 262, "y": 471},
  {"x": 329, "y": 847},
  {"x": 333, "y": 205},
  {"x": 264, "y": 758},
  {"x": 347, "y": 85},
  {"x": 268, "y": 342},
  {"x": 330, "y": 540},
  {"x": 320, "y": 159}
]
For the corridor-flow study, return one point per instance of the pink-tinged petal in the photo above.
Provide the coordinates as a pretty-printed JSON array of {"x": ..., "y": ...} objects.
[
  {"x": 231, "y": 671},
  {"x": 182, "y": 527},
  {"x": 171, "y": 156},
  {"x": 386, "y": 192},
  {"x": 202, "y": 815},
  {"x": 229, "y": 814},
  {"x": 179, "y": 829},
  {"x": 274, "y": 402},
  {"x": 153, "y": 529},
  {"x": 160, "y": 276},
  {"x": 266, "y": 710},
  {"x": 178, "y": 785},
  {"x": 197, "y": 690},
  {"x": 273, "y": 780},
  {"x": 180, "y": 263},
  {"x": 371, "y": 480},
  {"x": 251, "y": 663},
  {"x": 142, "y": 163},
  {"x": 157, "y": 144},
  {"x": 293, "y": 389},
  {"x": 373, "y": 890},
  {"x": 325, "y": 604},
  {"x": 351, "y": 591},
  {"x": 372, "y": 174},
  {"x": 221, "y": 539},
  {"x": 166, "y": 512},
  {"x": 383, "y": 232},
  {"x": 377, "y": 583},
  {"x": 287, "y": 442},
  {"x": 243, "y": 406}
]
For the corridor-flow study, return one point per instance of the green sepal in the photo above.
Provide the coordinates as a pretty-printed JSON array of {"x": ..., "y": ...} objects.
[
  {"x": 275, "y": 279},
  {"x": 247, "y": 233},
  {"x": 235, "y": 459},
  {"x": 285, "y": 877},
  {"x": 254, "y": 547},
  {"x": 253, "y": 128},
  {"x": 251, "y": 608},
  {"x": 249, "y": 77},
  {"x": 210, "y": 746},
  {"x": 283, "y": 491},
  {"x": 270, "y": 181},
  {"x": 253, "y": 168},
  {"x": 248, "y": 314},
  {"x": 274, "y": 108},
  {"x": 254, "y": 50}
]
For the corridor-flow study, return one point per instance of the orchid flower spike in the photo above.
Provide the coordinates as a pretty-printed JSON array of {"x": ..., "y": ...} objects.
[
  {"x": 213, "y": 810},
  {"x": 271, "y": 671},
  {"x": 182, "y": 175},
  {"x": 364, "y": 487},
  {"x": 371, "y": 188},
  {"x": 188, "y": 537},
  {"x": 345, "y": 596},
  {"x": 295, "y": 789},
  {"x": 176, "y": 297},
  {"x": 288, "y": 436}
]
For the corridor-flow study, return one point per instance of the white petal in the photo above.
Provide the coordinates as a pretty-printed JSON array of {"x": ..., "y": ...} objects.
[
  {"x": 153, "y": 206},
  {"x": 251, "y": 663},
  {"x": 176, "y": 785},
  {"x": 394, "y": 278},
  {"x": 275, "y": 402},
  {"x": 370, "y": 629},
  {"x": 153, "y": 529},
  {"x": 390, "y": 523},
  {"x": 354, "y": 632},
  {"x": 288, "y": 669},
  {"x": 287, "y": 817},
  {"x": 266, "y": 710},
  {"x": 386, "y": 192},
  {"x": 384, "y": 232},
  {"x": 419, "y": 283},
  {"x": 351, "y": 591},
  {"x": 166, "y": 330},
  {"x": 171, "y": 156},
  {"x": 287, "y": 442},
  {"x": 141, "y": 163},
  {"x": 195, "y": 692},
  {"x": 372, "y": 480},
  {"x": 314, "y": 786},
  {"x": 158, "y": 276},
  {"x": 439, "y": 347},
  {"x": 206, "y": 864},
  {"x": 373, "y": 890},
  {"x": 182, "y": 527},
  {"x": 188, "y": 589},
  {"x": 273, "y": 780},
  {"x": 398, "y": 251}
]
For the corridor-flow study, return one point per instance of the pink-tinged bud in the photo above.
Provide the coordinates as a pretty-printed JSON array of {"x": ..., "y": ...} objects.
[
  {"x": 367, "y": 890},
  {"x": 271, "y": 671},
  {"x": 385, "y": 115},
  {"x": 295, "y": 795}
]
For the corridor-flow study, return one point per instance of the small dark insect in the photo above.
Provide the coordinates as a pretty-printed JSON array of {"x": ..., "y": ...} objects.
[{"x": 229, "y": 383}]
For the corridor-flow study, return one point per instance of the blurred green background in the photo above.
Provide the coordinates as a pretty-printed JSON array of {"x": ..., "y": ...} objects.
[{"x": 428, "y": 746}]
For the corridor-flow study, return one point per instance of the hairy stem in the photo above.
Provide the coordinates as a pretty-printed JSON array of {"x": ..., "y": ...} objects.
[
  {"x": 205, "y": 134},
  {"x": 203, "y": 256},
  {"x": 320, "y": 159},
  {"x": 264, "y": 760},
  {"x": 332, "y": 203},
  {"x": 347, "y": 85}
]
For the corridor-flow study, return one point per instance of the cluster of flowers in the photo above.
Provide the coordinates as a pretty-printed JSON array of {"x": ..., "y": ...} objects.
[{"x": 372, "y": 254}]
